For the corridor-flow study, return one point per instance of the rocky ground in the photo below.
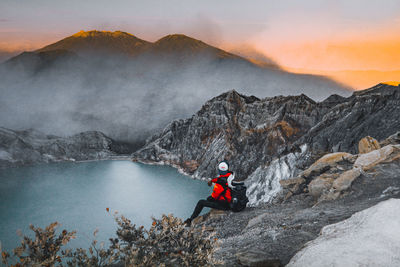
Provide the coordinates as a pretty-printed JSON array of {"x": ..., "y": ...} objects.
[
  {"x": 31, "y": 147},
  {"x": 271, "y": 234}
]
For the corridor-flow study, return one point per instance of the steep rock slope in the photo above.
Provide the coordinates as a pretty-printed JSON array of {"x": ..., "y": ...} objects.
[
  {"x": 267, "y": 140},
  {"x": 374, "y": 112},
  {"x": 246, "y": 131},
  {"x": 30, "y": 147}
]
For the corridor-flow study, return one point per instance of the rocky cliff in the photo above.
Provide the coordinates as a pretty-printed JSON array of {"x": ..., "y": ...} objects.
[
  {"x": 271, "y": 139},
  {"x": 30, "y": 147}
]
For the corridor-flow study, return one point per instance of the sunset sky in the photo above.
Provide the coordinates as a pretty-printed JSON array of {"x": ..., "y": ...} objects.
[{"x": 331, "y": 35}]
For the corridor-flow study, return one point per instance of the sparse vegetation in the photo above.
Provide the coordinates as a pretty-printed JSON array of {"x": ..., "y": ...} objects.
[{"x": 167, "y": 243}]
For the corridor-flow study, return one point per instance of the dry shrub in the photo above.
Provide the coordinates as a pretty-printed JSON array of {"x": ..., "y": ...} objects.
[
  {"x": 43, "y": 250},
  {"x": 167, "y": 243}
]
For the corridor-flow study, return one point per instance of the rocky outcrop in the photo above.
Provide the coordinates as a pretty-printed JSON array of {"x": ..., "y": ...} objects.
[
  {"x": 31, "y": 147},
  {"x": 332, "y": 176},
  {"x": 246, "y": 131},
  {"x": 273, "y": 139},
  {"x": 271, "y": 234}
]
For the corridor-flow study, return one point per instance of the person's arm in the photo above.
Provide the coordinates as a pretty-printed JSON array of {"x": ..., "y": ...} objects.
[
  {"x": 230, "y": 179},
  {"x": 212, "y": 181}
]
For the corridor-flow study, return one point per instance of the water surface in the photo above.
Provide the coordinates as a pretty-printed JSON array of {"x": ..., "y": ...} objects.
[{"x": 77, "y": 195}]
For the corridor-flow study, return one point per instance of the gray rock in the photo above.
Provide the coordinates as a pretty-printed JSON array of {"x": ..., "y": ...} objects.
[
  {"x": 346, "y": 179},
  {"x": 319, "y": 186},
  {"x": 374, "y": 157},
  {"x": 372, "y": 112}
]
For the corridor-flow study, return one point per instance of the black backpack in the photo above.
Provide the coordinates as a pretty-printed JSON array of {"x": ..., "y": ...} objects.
[{"x": 239, "y": 198}]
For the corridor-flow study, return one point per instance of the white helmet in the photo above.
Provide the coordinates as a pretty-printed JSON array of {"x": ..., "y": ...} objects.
[{"x": 223, "y": 168}]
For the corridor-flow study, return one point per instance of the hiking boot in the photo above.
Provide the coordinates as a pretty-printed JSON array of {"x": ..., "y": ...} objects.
[{"x": 188, "y": 222}]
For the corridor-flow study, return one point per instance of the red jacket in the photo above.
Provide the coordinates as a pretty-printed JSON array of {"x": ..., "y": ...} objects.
[{"x": 218, "y": 191}]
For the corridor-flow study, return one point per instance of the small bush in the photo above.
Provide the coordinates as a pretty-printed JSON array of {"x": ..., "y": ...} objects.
[
  {"x": 167, "y": 243},
  {"x": 43, "y": 250}
]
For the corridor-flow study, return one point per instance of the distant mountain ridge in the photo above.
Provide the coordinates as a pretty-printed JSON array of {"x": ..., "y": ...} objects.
[
  {"x": 127, "y": 87},
  {"x": 127, "y": 44}
]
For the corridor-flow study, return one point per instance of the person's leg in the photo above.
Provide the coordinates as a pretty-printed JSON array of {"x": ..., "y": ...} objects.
[{"x": 207, "y": 203}]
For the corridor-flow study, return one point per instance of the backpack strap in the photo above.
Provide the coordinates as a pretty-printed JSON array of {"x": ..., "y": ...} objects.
[{"x": 225, "y": 186}]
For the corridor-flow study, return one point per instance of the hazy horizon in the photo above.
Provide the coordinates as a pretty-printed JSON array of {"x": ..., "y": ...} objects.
[{"x": 316, "y": 35}]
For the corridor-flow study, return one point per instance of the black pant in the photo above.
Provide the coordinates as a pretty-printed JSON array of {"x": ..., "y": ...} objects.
[{"x": 211, "y": 203}]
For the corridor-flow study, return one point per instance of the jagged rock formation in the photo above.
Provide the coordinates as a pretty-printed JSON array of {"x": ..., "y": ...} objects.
[
  {"x": 372, "y": 112},
  {"x": 31, "y": 147},
  {"x": 248, "y": 132},
  {"x": 271, "y": 139}
]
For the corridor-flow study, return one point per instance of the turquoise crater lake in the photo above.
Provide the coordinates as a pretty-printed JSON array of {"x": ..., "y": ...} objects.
[{"x": 77, "y": 195}]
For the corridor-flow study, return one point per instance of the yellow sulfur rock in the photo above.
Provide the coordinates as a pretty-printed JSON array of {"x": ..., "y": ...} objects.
[{"x": 368, "y": 144}]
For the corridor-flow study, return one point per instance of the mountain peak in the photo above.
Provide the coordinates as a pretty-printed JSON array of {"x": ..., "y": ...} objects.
[
  {"x": 393, "y": 83},
  {"x": 185, "y": 45},
  {"x": 104, "y": 41},
  {"x": 177, "y": 37},
  {"x": 95, "y": 33},
  {"x": 180, "y": 41}
]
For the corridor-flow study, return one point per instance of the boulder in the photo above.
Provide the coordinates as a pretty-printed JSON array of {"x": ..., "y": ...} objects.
[
  {"x": 346, "y": 179},
  {"x": 341, "y": 184},
  {"x": 326, "y": 162},
  {"x": 368, "y": 160},
  {"x": 368, "y": 144},
  {"x": 368, "y": 238},
  {"x": 320, "y": 185}
]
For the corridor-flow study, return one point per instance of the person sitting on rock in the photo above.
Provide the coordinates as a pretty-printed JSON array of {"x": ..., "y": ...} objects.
[{"x": 221, "y": 195}]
